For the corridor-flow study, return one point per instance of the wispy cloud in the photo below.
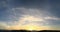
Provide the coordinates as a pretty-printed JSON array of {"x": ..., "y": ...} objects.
[{"x": 28, "y": 17}]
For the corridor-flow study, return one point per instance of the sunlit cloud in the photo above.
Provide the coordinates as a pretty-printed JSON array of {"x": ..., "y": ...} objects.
[
  {"x": 53, "y": 18},
  {"x": 28, "y": 18}
]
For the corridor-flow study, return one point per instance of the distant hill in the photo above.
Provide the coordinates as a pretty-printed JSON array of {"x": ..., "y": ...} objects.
[{"x": 29, "y": 31}]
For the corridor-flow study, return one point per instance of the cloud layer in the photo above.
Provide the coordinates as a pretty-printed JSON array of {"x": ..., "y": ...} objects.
[
  {"x": 20, "y": 14},
  {"x": 29, "y": 17}
]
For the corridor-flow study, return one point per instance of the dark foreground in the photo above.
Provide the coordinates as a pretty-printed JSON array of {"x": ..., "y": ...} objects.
[{"x": 29, "y": 31}]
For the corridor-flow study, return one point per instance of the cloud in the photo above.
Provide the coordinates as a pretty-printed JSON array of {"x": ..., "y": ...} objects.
[
  {"x": 18, "y": 13},
  {"x": 52, "y": 18},
  {"x": 55, "y": 8},
  {"x": 27, "y": 17},
  {"x": 21, "y": 27},
  {"x": 3, "y": 26}
]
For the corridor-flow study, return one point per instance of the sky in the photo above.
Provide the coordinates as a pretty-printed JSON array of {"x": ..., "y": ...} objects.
[{"x": 26, "y": 14}]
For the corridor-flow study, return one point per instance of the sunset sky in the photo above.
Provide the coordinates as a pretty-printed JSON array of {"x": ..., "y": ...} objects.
[{"x": 30, "y": 14}]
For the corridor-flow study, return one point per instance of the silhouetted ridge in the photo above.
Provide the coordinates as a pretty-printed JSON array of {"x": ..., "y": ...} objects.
[{"x": 29, "y": 31}]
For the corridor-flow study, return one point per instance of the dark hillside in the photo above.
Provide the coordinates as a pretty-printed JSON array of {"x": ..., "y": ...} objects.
[{"x": 29, "y": 31}]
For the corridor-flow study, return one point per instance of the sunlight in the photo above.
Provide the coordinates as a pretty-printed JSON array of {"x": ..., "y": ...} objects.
[
  {"x": 31, "y": 27},
  {"x": 31, "y": 18}
]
